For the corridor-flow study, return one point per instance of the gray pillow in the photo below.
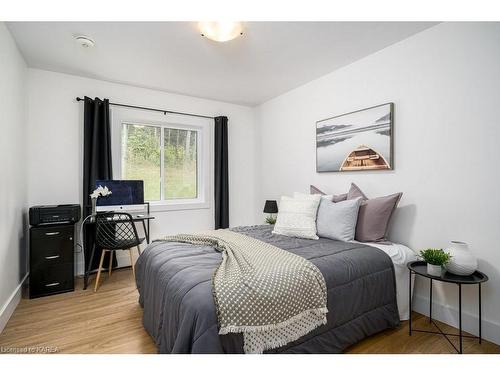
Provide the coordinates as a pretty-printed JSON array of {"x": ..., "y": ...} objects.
[
  {"x": 335, "y": 198},
  {"x": 337, "y": 221},
  {"x": 374, "y": 215}
]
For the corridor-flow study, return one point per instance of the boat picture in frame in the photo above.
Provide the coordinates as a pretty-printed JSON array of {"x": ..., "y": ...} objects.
[{"x": 356, "y": 141}]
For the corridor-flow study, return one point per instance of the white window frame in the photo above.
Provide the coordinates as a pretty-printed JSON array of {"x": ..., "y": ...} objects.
[{"x": 121, "y": 116}]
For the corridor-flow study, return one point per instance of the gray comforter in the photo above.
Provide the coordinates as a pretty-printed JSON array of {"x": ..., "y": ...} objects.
[{"x": 175, "y": 287}]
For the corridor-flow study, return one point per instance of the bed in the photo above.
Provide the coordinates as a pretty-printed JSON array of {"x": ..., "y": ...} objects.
[{"x": 175, "y": 289}]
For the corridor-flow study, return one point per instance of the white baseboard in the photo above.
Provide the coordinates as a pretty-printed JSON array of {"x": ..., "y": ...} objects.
[
  {"x": 11, "y": 304},
  {"x": 449, "y": 315}
]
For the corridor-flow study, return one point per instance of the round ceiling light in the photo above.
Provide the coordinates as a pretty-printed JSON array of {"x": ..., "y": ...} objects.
[
  {"x": 85, "y": 41},
  {"x": 221, "y": 31}
]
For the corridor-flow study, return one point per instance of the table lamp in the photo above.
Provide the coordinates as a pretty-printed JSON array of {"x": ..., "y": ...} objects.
[{"x": 271, "y": 208}]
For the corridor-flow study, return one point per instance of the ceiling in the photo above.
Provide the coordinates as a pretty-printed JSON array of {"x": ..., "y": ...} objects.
[{"x": 268, "y": 60}]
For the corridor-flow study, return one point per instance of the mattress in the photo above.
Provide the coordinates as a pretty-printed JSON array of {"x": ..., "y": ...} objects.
[
  {"x": 175, "y": 291},
  {"x": 400, "y": 255}
]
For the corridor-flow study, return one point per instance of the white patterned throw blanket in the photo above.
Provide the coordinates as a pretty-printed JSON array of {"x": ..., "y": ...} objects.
[{"x": 270, "y": 295}]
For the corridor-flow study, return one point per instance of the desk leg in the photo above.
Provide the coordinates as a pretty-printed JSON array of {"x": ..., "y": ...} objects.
[
  {"x": 460, "y": 314},
  {"x": 87, "y": 269},
  {"x": 146, "y": 231},
  {"x": 480, "y": 336},
  {"x": 430, "y": 303},
  {"x": 409, "y": 304}
]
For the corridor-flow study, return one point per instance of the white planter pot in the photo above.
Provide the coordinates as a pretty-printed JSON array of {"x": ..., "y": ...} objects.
[
  {"x": 433, "y": 270},
  {"x": 462, "y": 261}
]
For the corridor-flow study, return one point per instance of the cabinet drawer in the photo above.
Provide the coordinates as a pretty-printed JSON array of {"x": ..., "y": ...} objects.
[
  {"x": 51, "y": 231},
  {"x": 45, "y": 280},
  {"x": 51, "y": 252},
  {"x": 51, "y": 245}
]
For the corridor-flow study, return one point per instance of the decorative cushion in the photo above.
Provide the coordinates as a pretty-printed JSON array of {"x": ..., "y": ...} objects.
[
  {"x": 314, "y": 190},
  {"x": 355, "y": 192},
  {"x": 309, "y": 196},
  {"x": 374, "y": 215},
  {"x": 335, "y": 198},
  {"x": 339, "y": 197},
  {"x": 337, "y": 221},
  {"x": 297, "y": 216}
]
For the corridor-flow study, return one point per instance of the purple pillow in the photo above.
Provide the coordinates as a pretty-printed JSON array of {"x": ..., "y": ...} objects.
[
  {"x": 374, "y": 215},
  {"x": 335, "y": 198},
  {"x": 339, "y": 198},
  {"x": 355, "y": 192},
  {"x": 314, "y": 190}
]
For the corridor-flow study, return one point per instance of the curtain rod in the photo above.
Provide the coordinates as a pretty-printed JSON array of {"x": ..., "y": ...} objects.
[{"x": 164, "y": 111}]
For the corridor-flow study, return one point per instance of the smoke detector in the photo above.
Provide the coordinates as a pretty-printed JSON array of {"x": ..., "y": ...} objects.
[{"x": 84, "y": 41}]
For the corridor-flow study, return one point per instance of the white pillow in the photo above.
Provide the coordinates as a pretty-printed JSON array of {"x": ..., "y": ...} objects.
[
  {"x": 337, "y": 221},
  {"x": 306, "y": 196},
  {"x": 312, "y": 196},
  {"x": 297, "y": 216}
]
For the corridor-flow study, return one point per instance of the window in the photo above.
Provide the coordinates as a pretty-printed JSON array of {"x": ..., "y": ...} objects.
[{"x": 165, "y": 157}]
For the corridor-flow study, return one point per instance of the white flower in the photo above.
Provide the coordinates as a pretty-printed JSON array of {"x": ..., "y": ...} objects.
[
  {"x": 105, "y": 191},
  {"x": 100, "y": 192}
]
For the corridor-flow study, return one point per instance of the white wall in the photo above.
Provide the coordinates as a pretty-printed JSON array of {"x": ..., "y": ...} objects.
[
  {"x": 445, "y": 83},
  {"x": 55, "y": 139},
  {"x": 13, "y": 247}
]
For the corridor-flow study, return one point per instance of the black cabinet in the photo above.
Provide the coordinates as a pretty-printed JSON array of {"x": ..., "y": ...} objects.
[{"x": 51, "y": 260}]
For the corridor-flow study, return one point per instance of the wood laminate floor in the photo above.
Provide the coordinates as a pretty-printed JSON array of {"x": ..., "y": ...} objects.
[{"x": 110, "y": 321}]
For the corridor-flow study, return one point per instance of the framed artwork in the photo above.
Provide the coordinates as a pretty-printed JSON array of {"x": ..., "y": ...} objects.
[{"x": 356, "y": 141}]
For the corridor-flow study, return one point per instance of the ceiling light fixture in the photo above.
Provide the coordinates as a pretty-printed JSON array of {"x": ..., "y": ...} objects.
[
  {"x": 221, "y": 31},
  {"x": 85, "y": 41}
]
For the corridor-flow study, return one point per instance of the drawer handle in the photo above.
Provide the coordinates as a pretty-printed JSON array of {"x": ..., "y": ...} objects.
[
  {"x": 53, "y": 257},
  {"x": 52, "y": 233},
  {"x": 52, "y": 284}
]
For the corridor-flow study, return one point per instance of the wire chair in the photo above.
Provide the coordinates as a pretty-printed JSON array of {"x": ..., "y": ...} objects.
[{"x": 115, "y": 231}]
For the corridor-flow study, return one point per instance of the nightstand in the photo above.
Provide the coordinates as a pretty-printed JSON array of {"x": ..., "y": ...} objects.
[{"x": 420, "y": 268}]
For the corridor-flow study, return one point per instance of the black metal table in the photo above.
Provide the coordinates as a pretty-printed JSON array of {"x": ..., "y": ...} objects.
[{"x": 420, "y": 268}]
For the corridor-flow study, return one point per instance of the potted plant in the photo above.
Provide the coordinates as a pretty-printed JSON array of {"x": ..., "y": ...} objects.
[
  {"x": 435, "y": 259},
  {"x": 271, "y": 220}
]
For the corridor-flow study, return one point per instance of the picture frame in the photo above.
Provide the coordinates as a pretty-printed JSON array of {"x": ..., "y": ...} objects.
[{"x": 360, "y": 140}]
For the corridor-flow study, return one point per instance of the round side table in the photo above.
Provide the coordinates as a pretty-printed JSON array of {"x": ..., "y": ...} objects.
[{"x": 420, "y": 268}]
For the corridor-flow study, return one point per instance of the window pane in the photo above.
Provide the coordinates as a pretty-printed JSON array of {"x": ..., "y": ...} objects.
[
  {"x": 141, "y": 157},
  {"x": 180, "y": 152}
]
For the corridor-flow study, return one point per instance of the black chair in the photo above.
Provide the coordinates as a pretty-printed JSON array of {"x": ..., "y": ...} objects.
[{"x": 115, "y": 231}]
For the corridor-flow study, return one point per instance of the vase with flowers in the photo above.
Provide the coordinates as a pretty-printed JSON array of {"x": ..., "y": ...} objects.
[{"x": 96, "y": 194}]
